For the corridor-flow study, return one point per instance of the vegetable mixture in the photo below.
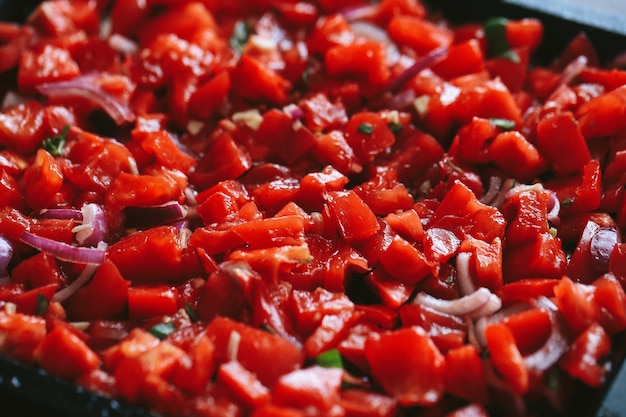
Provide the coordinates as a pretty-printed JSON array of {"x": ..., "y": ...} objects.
[{"x": 310, "y": 208}]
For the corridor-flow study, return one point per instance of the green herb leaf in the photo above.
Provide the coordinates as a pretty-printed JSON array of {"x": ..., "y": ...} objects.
[
  {"x": 505, "y": 124},
  {"x": 241, "y": 33},
  {"x": 395, "y": 127},
  {"x": 498, "y": 44},
  {"x": 192, "y": 314},
  {"x": 41, "y": 304},
  {"x": 161, "y": 330},
  {"x": 365, "y": 128},
  {"x": 567, "y": 202},
  {"x": 330, "y": 359},
  {"x": 55, "y": 144},
  {"x": 454, "y": 166}
]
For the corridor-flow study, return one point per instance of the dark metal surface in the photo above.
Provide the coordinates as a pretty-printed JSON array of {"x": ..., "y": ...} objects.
[{"x": 26, "y": 391}]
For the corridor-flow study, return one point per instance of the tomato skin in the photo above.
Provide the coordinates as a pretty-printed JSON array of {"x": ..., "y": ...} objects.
[
  {"x": 42, "y": 180},
  {"x": 135, "y": 258},
  {"x": 557, "y": 132},
  {"x": 267, "y": 84},
  {"x": 37, "y": 271},
  {"x": 64, "y": 354},
  {"x": 603, "y": 116},
  {"x": 419, "y": 34},
  {"x": 141, "y": 190},
  {"x": 516, "y": 156},
  {"x": 506, "y": 357},
  {"x": 146, "y": 302},
  {"x": 464, "y": 375},
  {"x": 49, "y": 64},
  {"x": 266, "y": 355},
  {"x": 22, "y": 333},
  {"x": 583, "y": 359},
  {"x": 314, "y": 387},
  {"x": 243, "y": 383},
  {"x": 367, "y": 144},
  {"x": 87, "y": 303},
  {"x": 354, "y": 218},
  {"x": 366, "y": 58},
  {"x": 391, "y": 354}
]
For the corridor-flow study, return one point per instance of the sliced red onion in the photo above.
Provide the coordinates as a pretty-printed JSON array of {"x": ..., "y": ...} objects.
[
  {"x": 83, "y": 278},
  {"x": 493, "y": 304},
  {"x": 294, "y": 111},
  {"x": 463, "y": 306},
  {"x": 369, "y": 30},
  {"x": 63, "y": 251},
  {"x": 6, "y": 253},
  {"x": 572, "y": 70},
  {"x": 507, "y": 186},
  {"x": 463, "y": 275},
  {"x": 359, "y": 12},
  {"x": 495, "y": 184},
  {"x": 12, "y": 99},
  {"x": 142, "y": 217},
  {"x": 402, "y": 100},
  {"x": 62, "y": 213},
  {"x": 554, "y": 209},
  {"x": 418, "y": 66},
  {"x": 86, "y": 87},
  {"x": 602, "y": 244},
  {"x": 94, "y": 228},
  {"x": 557, "y": 343},
  {"x": 122, "y": 44}
]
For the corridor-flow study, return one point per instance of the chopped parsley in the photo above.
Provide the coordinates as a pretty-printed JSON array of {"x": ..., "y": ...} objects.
[
  {"x": 454, "y": 166},
  {"x": 161, "y": 330},
  {"x": 495, "y": 32},
  {"x": 504, "y": 124},
  {"x": 41, "y": 304},
  {"x": 567, "y": 202},
  {"x": 55, "y": 144},
  {"x": 329, "y": 359},
  {"x": 192, "y": 314},
  {"x": 395, "y": 127},
  {"x": 365, "y": 128},
  {"x": 241, "y": 33}
]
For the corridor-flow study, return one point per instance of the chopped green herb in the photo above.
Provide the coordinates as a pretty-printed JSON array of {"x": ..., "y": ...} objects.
[
  {"x": 161, "y": 330},
  {"x": 365, "y": 128},
  {"x": 55, "y": 144},
  {"x": 553, "y": 231},
  {"x": 495, "y": 32},
  {"x": 395, "y": 127},
  {"x": 330, "y": 359},
  {"x": 241, "y": 33},
  {"x": 41, "y": 304},
  {"x": 454, "y": 166},
  {"x": 505, "y": 124},
  {"x": 567, "y": 202},
  {"x": 192, "y": 314},
  {"x": 267, "y": 328}
]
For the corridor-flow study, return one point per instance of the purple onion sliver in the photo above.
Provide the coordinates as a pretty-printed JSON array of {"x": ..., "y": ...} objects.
[
  {"x": 421, "y": 64},
  {"x": 6, "y": 253},
  {"x": 602, "y": 244},
  {"x": 85, "y": 88},
  {"x": 141, "y": 217},
  {"x": 94, "y": 228},
  {"x": 64, "y": 251},
  {"x": 62, "y": 214},
  {"x": 572, "y": 70},
  {"x": 359, "y": 12}
]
